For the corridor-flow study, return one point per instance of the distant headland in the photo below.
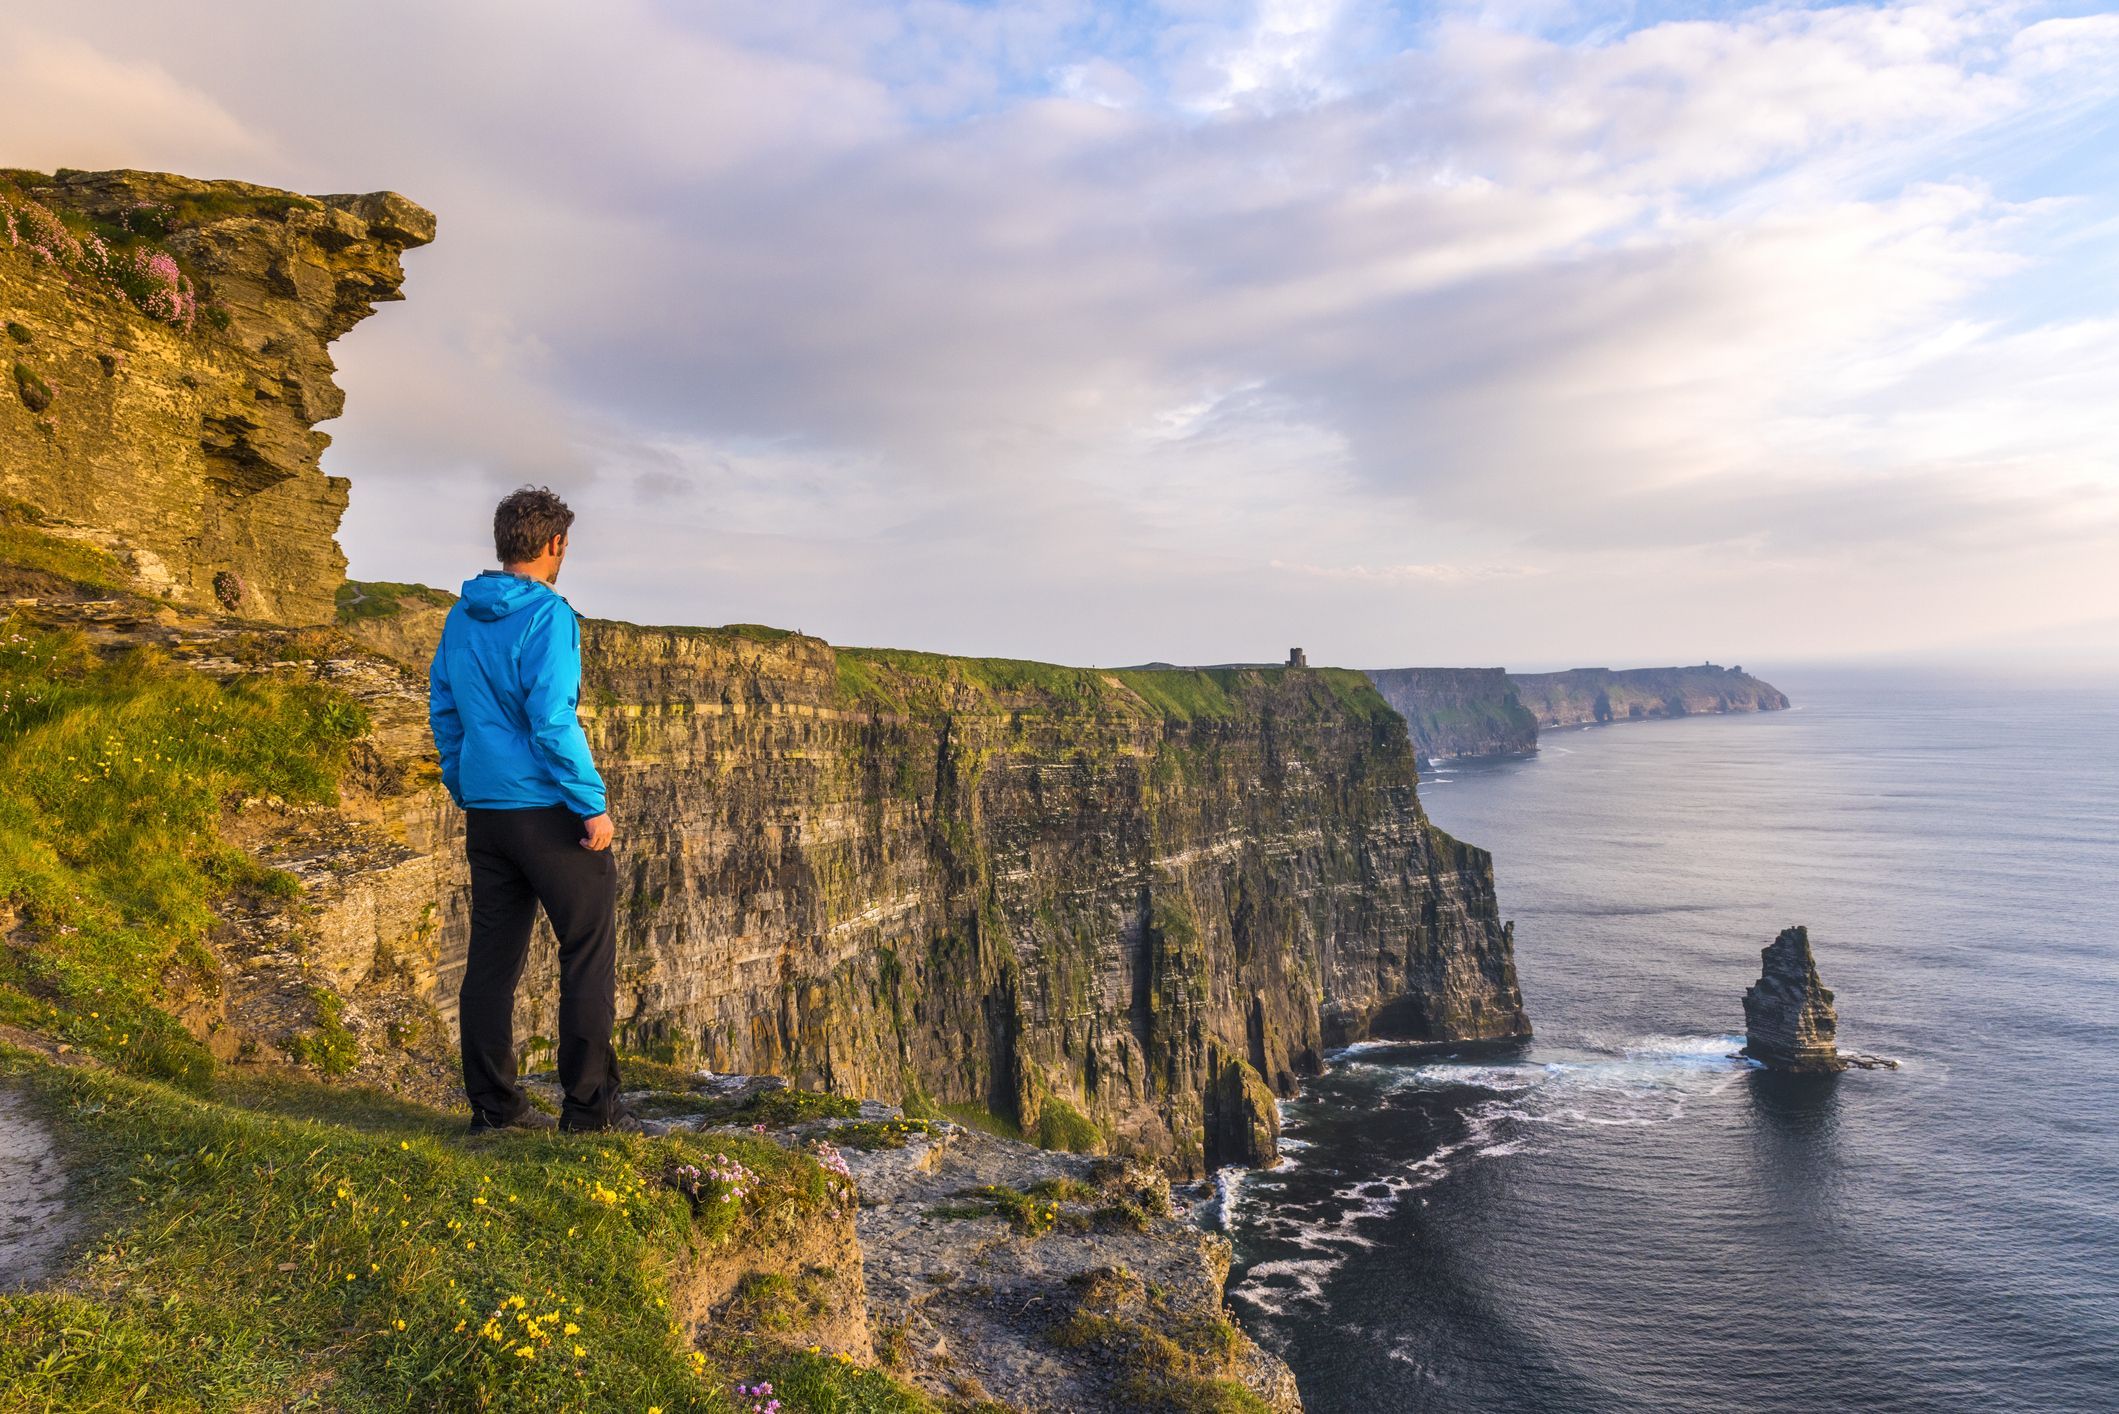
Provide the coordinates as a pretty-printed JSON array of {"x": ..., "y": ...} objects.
[{"x": 1455, "y": 713}]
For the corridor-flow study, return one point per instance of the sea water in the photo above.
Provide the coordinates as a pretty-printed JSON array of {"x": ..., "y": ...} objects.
[{"x": 1621, "y": 1215}]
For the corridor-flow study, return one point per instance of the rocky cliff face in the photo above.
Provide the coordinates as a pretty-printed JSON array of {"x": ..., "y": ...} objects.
[
  {"x": 1114, "y": 910},
  {"x": 1456, "y": 712},
  {"x": 168, "y": 348},
  {"x": 1789, "y": 1022},
  {"x": 1581, "y": 696}
]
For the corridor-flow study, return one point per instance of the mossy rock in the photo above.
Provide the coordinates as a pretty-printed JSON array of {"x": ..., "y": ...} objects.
[{"x": 36, "y": 394}]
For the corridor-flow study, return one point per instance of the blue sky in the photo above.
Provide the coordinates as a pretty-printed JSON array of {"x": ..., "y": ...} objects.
[{"x": 1523, "y": 333}]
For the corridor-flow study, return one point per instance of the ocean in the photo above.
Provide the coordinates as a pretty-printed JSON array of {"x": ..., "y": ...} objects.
[{"x": 1619, "y": 1215}]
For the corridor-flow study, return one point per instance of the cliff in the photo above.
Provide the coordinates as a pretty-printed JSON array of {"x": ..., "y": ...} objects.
[
  {"x": 1463, "y": 712},
  {"x": 1453, "y": 712},
  {"x": 1789, "y": 1022},
  {"x": 1109, "y": 910},
  {"x": 1581, "y": 696},
  {"x": 168, "y": 342}
]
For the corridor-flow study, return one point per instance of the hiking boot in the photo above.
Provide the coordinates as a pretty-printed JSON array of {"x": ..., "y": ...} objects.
[
  {"x": 622, "y": 1121},
  {"x": 532, "y": 1119}
]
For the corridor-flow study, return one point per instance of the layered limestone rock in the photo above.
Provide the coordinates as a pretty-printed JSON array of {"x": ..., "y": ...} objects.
[
  {"x": 1029, "y": 890},
  {"x": 1582, "y": 696},
  {"x": 169, "y": 347},
  {"x": 1242, "y": 1117},
  {"x": 1789, "y": 1022},
  {"x": 1458, "y": 712}
]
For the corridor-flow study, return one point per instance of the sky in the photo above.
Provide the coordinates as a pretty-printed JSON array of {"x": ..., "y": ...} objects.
[{"x": 1537, "y": 333}]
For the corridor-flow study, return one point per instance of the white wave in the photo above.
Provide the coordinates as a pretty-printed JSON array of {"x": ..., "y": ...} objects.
[
  {"x": 1690, "y": 1047},
  {"x": 1639, "y": 1082},
  {"x": 1228, "y": 1191},
  {"x": 1362, "y": 1048},
  {"x": 1504, "y": 1079},
  {"x": 1305, "y": 1282}
]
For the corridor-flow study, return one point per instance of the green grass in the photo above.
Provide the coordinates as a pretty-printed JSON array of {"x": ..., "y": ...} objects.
[
  {"x": 897, "y": 680},
  {"x": 1186, "y": 694},
  {"x": 200, "y": 208},
  {"x": 113, "y": 776},
  {"x": 1354, "y": 692},
  {"x": 779, "y": 1108},
  {"x": 758, "y": 633},
  {"x": 811, "y": 1382},
  {"x": 999, "y": 677},
  {"x": 1030, "y": 1214},
  {"x": 331, "y": 1048},
  {"x": 283, "y": 1239},
  {"x": 24, "y": 545},
  {"x": 979, "y": 1117},
  {"x": 1061, "y": 1126},
  {"x": 870, "y": 1135},
  {"x": 383, "y": 599}
]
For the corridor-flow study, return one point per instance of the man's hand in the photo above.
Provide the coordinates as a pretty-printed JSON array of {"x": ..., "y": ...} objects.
[{"x": 599, "y": 832}]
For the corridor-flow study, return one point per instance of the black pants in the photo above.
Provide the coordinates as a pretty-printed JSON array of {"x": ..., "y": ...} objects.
[{"x": 520, "y": 859}]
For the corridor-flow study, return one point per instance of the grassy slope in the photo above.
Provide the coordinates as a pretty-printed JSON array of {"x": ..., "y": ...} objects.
[
  {"x": 285, "y": 1237},
  {"x": 113, "y": 776}
]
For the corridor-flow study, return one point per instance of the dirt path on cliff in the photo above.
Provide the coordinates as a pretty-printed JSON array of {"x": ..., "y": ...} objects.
[{"x": 35, "y": 1223}]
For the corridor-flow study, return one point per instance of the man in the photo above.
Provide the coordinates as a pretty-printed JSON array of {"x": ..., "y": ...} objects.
[{"x": 502, "y": 696}]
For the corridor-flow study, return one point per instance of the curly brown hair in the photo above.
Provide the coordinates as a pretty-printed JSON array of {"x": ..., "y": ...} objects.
[{"x": 526, "y": 520}]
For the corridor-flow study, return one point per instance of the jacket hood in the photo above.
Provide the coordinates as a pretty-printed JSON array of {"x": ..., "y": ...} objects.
[{"x": 496, "y": 594}]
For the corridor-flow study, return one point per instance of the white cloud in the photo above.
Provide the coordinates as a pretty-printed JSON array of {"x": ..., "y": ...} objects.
[
  {"x": 58, "y": 94},
  {"x": 1054, "y": 329}
]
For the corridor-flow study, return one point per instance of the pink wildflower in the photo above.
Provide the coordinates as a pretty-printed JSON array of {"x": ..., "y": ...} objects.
[
  {"x": 169, "y": 294},
  {"x": 828, "y": 1155},
  {"x": 45, "y": 234}
]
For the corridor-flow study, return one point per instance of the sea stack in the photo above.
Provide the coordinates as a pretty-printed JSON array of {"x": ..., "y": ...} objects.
[{"x": 1789, "y": 1023}]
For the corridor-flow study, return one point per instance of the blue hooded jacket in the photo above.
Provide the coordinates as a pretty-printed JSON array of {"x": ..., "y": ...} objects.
[{"x": 502, "y": 696}]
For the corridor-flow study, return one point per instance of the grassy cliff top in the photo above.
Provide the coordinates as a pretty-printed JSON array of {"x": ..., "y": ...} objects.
[{"x": 907, "y": 680}]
